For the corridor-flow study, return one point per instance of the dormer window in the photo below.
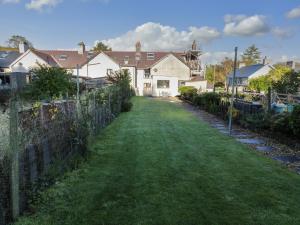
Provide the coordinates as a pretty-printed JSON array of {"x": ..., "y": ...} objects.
[
  {"x": 63, "y": 57},
  {"x": 126, "y": 59},
  {"x": 150, "y": 56},
  {"x": 3, "y": 55},
  {"x": 90, "y": 54}
]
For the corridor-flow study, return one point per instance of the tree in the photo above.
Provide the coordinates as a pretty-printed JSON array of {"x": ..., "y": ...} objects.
[
  {"x": 15, "y": 40},
  {"x": 260, "y": 83},
  {"x": 289, "y": 83},
  {"x": 218, "y": 73},
  {"x": 49, "y": 82},
  {"x": 100, "y": 47},
  {"x": 251, "y": 55}
]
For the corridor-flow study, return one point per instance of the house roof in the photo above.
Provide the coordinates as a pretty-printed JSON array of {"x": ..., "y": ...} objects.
[
  {"x": 63, "y": 58},
  {"x": 247, "y": 71},
  {"x": 7, "y": 57},
  {"x": 197, "y": 78},
  {"x": 144, "y": 62}
]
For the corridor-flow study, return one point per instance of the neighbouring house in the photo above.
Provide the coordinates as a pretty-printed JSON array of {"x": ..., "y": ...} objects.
[
  {"x": 7, "y": 57},
  {"x": 245, "y": 73},
  {"x": 67, "y": 59},
  {"x": 153, "y": 73},
  {"x": 293, "y": 65}
]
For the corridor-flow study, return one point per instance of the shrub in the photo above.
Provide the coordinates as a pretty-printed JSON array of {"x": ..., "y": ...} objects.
[
  {"x": 280, "y": 123},
  {"x": 198, "y": 100},
  {"x": 49, "y": 82},
  {"x": 258, "y": 121},
  {"x": 188, "y": 92},
  {"x": 126, "y": 106},
  {"x": 211, "y": 98},
  {"x": 295, "y": 121}
]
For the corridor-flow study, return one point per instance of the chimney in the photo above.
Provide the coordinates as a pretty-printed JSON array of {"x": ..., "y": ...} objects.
[
  {"x": 194, "y": 46},
  {"x": 242, "y": 64},
  {"x": 23, "y": 47},
  {"x": 265, "y": 60},
  {"x": 81, "y": 49},
  {"x": 138, "y": 46}
]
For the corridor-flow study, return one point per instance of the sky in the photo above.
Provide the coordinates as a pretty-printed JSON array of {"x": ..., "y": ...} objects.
[{"x": 168, "y": 25}]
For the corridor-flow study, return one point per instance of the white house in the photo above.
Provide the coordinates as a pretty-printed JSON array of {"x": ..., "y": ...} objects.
[{"x": 153, "y": 73}]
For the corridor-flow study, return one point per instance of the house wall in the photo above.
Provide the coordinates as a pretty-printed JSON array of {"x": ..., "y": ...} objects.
[
  {"x": 140, "y": 82},
  {"x": 261, "y": 72},
  {"x": 171, "y": 66},
  {"x": 28, "y": 61},
  {"x": 97, "y": 67},
  {"x": 171, "y": 91}
]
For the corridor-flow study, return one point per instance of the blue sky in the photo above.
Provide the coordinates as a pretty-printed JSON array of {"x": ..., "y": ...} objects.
[{"x": 217, "y": 25}]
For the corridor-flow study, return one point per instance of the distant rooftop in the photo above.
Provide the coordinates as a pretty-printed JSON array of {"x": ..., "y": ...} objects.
[{"x": 247, "y": 70}]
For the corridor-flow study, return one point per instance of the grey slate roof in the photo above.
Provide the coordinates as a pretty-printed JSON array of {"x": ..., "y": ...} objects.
[
  {"x": 7, "y": 57},
  {"x": 247, "y": 71}
]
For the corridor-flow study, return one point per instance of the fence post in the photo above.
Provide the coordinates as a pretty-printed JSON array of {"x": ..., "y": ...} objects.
[
  {"x": 14, "y": 147},
  {"x": 269, "y": 99}
]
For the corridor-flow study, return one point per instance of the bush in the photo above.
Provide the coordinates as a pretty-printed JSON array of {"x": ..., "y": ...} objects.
[
  {"x": 280, "y": 123},
  {"x": 126, "y": 106},
  {"x": 258, "y": 121},
  {"x": 295, "y": 121},
  {"x": 211, "y": 98},
  {"x": 49, "y": 83},
  {"x": 188, "y": 92}
]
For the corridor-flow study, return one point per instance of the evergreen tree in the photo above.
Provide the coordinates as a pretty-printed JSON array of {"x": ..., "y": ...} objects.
[{"x": 251, "y": 55}]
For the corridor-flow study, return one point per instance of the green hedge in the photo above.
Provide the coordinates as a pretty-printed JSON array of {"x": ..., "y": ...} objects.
[{"x": 188, "y": 92}]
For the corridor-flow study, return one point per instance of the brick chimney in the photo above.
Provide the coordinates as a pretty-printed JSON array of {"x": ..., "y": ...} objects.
[
  {"x": 138, "y": 47},
  {"x": 23, "y": 47},
  {"x": 194, "y": 46},
  {"x": 81, "y": 49}
]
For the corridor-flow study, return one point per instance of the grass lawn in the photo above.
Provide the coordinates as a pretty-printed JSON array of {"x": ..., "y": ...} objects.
[{"x": 159, "y": 164}]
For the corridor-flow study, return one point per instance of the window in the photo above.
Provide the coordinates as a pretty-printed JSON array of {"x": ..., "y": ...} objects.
[
  {"x": 150, "y": 56},
  {"x": 147, "y": 85},
  {"x": 147, "y": 73},
  {"x": 181, "y": 83},
  {"x": 109, "y": 72},
  {"x": 63, "y": 57},
  {"x": 163, "y": 84}
]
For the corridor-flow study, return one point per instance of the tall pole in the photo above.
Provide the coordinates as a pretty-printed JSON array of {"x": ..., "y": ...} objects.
[
  {"x": 214, "y": 78},
  {"x": 232, "y": 94},
  {"x": 78, "y": 86}
]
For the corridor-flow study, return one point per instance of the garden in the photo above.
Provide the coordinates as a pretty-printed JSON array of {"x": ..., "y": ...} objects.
[{"x": 46, "y": 126}]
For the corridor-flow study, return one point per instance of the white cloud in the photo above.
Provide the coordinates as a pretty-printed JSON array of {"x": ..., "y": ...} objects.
[
  {"x": 215, "y": 57},
  {"x": 294, "y": 13},
  {"x": 155, "y": 36},
  {"x": 283, "y": 33},
  {"x": 9, "y": 1},
  {"x": 40, "y": 5},
  {"x": 241, "y": 25}
]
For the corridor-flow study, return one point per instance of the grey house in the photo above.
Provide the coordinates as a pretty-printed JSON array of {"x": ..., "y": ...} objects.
[{"x": 244, "y": 74}]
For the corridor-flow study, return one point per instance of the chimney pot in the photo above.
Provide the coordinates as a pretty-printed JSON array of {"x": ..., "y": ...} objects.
[
  {"x": 81, "y": 49},
  {"x": 23, "y": 47}
]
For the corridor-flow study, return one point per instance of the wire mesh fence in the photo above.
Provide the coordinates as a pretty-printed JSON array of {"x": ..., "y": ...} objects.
[{"x": 35, "y": 136}]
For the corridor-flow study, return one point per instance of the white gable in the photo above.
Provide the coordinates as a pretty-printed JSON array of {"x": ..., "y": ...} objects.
[
  {"x": 171, "y": 66},
  {"x": 28, "y": 61},
  {"x": 98, "y": 66}
]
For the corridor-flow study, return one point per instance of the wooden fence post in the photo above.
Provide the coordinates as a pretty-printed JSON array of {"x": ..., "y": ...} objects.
[{"x": 14, "y": 147}]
